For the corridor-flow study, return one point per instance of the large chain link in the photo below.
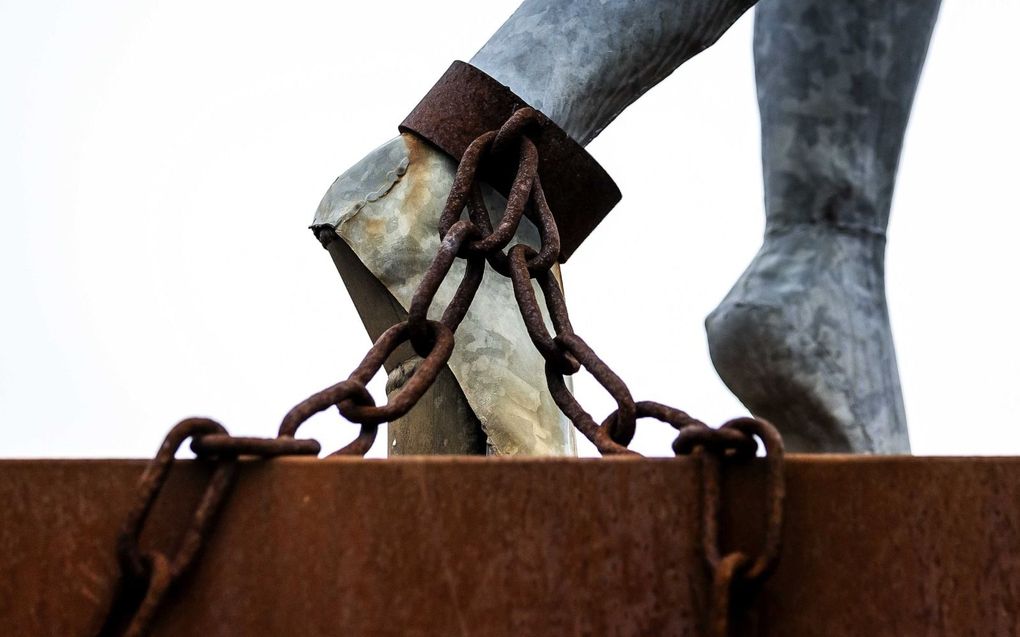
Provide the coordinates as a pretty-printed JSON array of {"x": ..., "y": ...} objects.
[
  {"x": 736, "y": 576},
  {"x": 147, "y": 575}
]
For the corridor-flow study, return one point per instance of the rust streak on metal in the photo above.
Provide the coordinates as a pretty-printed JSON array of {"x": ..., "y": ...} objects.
[{"x": 884, "y": 546}]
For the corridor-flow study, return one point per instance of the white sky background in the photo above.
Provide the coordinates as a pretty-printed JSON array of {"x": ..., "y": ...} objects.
[{"x": 160, "y": 161}]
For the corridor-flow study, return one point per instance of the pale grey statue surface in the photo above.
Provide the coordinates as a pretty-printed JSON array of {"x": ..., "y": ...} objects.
[
  {"x": 803, "y": 338},
  {"x": 387, "y": 209}
]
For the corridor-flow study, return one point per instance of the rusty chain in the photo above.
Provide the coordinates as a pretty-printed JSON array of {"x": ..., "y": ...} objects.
[
  {"x": 147, "y": 575},
  {"x": 735, "y": 575}
]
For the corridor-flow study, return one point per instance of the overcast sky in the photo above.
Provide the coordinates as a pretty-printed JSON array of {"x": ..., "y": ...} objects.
[{"x": 160, "y": 161}]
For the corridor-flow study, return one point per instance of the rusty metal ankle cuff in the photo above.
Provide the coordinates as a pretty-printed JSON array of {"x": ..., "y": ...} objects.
[{"x": 466, "y": 103}]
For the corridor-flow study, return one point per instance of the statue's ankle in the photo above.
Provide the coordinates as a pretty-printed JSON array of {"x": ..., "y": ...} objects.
[{"x": 835, "y": 227}]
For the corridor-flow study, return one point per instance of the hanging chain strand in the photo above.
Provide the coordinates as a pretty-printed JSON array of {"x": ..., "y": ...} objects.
[
  {"x": 735, "y": 575},
  {"x": 147, "y": 575}
]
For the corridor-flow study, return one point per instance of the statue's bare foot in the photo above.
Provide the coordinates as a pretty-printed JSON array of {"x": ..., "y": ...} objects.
[
  {"x": 385, "y": 210},
  {"x": 803, "y": 340}
]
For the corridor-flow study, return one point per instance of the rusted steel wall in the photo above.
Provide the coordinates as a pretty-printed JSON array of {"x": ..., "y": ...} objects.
[{"x": 450, "y": 546}]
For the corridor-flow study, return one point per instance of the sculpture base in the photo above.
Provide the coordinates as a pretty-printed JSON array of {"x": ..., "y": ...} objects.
[{"x": 460, "y": 545}]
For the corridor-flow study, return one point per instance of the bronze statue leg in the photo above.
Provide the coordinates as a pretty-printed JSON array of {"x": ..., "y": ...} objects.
[{"x": 803, "y": 338}]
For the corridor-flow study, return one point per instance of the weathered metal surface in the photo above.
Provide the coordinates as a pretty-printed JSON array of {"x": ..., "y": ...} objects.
[
  {"x": 873, "y": 546},
  {"x": 387, "y": 210},
  {"x": 442, "y": 423},
  {"x": 466, "y": 103}
]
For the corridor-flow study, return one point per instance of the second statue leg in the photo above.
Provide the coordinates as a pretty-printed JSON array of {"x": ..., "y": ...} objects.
[{"x": 803, "y": 338}]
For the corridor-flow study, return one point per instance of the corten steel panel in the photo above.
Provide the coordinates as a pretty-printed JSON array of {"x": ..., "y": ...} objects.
[{"x": 450, "y": 546}]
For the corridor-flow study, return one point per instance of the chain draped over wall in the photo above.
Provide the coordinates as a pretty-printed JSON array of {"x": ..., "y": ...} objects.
[{"x": 148, "y": 574}]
